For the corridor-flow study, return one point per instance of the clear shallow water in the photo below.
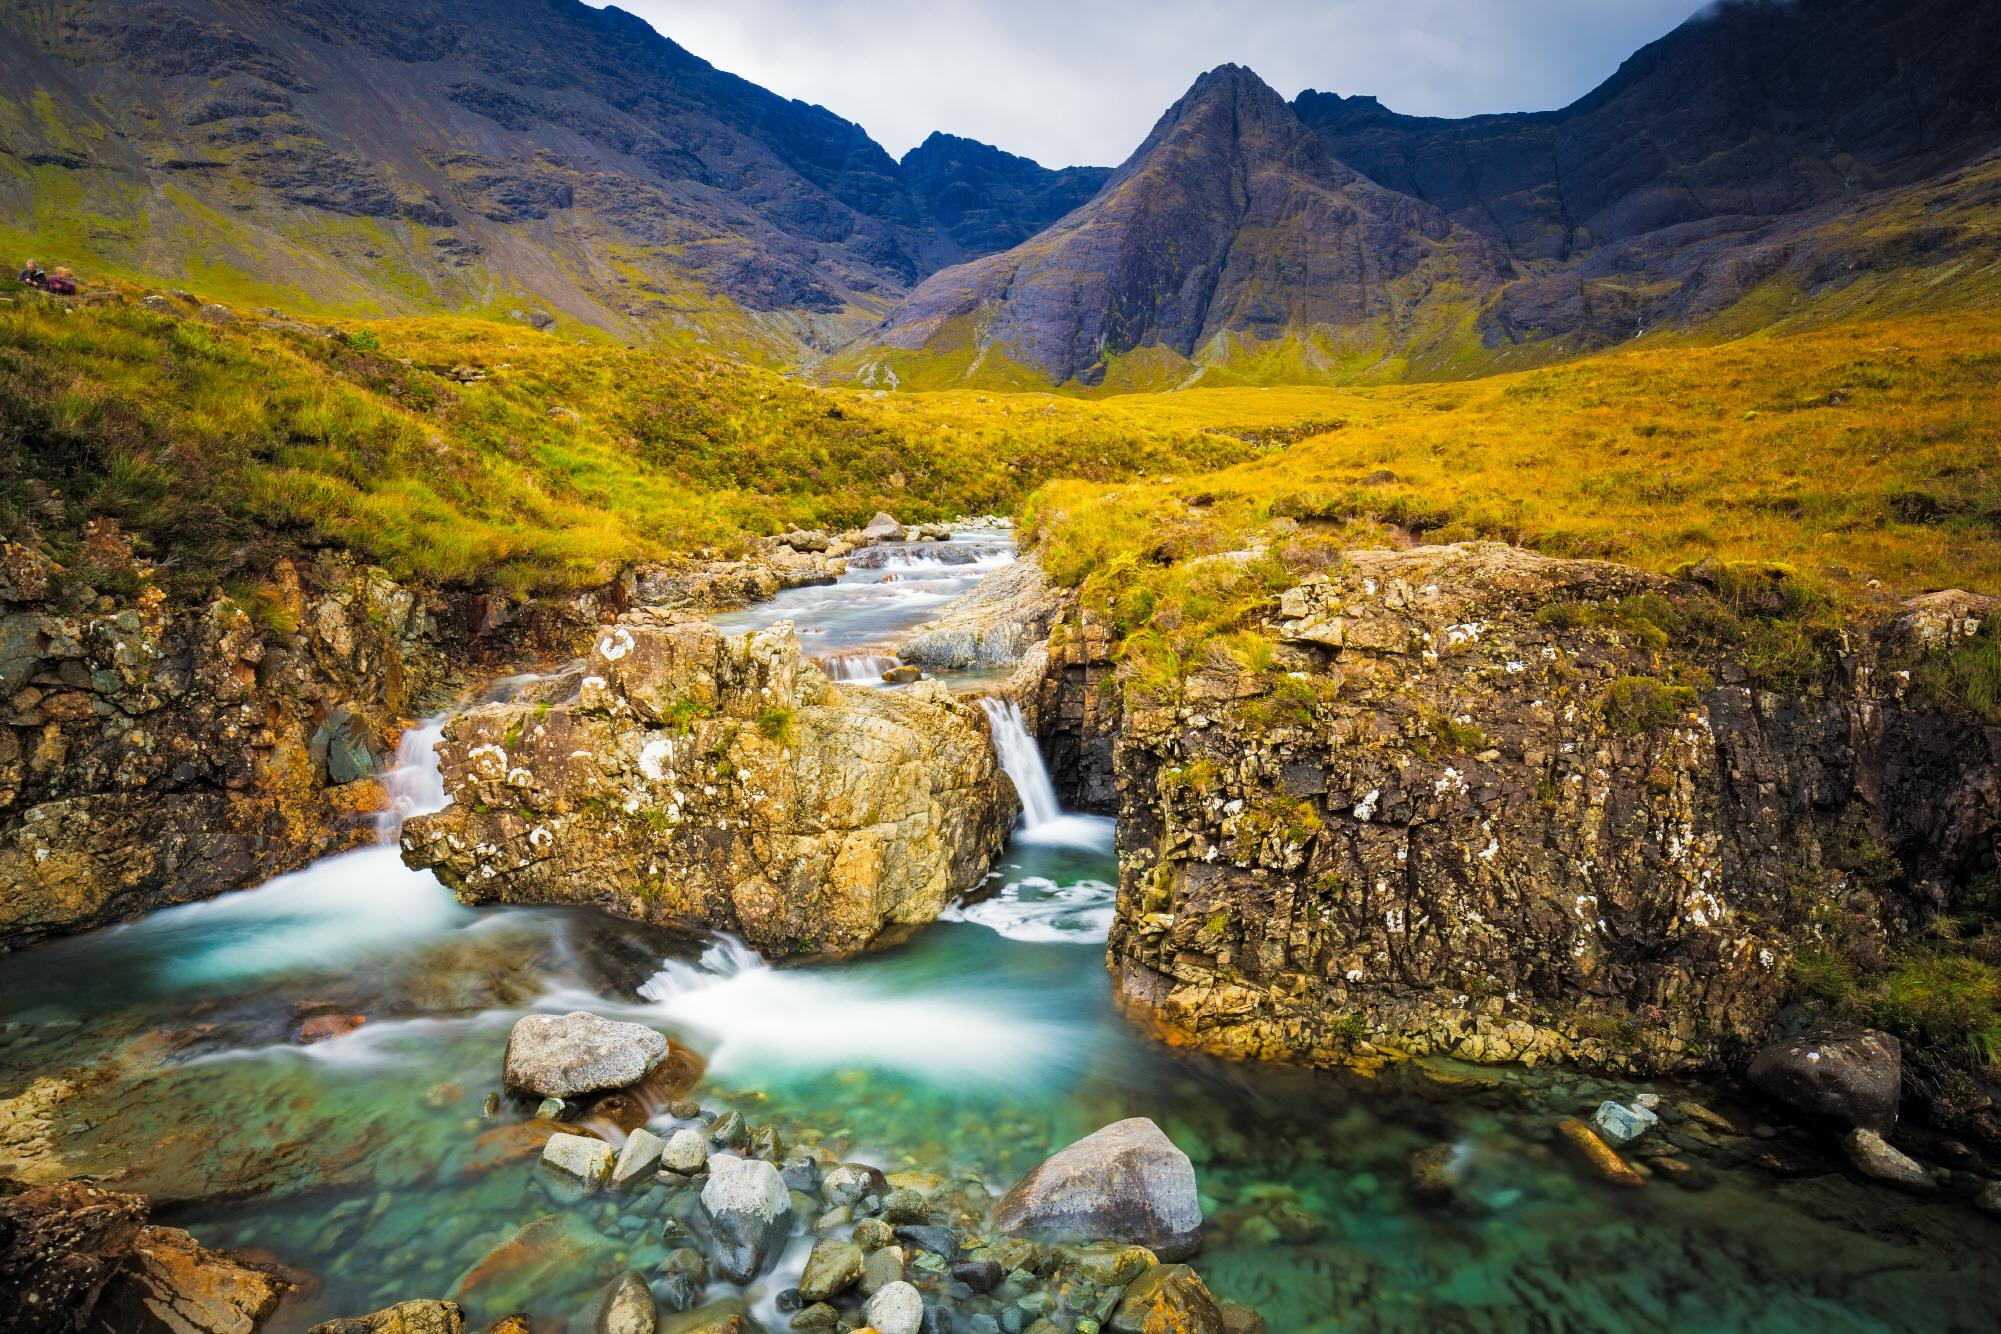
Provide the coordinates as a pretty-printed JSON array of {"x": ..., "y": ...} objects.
[{"x": 975, "y": 1047}]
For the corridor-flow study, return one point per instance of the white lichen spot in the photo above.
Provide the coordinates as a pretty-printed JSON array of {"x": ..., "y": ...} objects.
[
  {"x": 540, "y": 837},
  {"x": 1468, "y": 633},
  {"x": 1516, "y": 667},
  {"x": 1451, "y": 781},
  {"x": 653, "y": 757},
  {"x": 1365, "y": 809},
  {"x": 1354, "y": 974},
  {"x": 616, "y": 644}
]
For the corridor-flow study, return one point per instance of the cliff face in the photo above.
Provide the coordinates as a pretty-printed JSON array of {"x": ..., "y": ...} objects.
[
  {"x": 1490, "y": 807},
  {"x": 1229, "y": 223},
  {"x": 697, "y": 781},
  {"x": 157, "y": 751}
]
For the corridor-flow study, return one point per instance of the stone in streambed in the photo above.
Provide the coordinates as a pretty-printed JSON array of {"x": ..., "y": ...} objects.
[
  {"x": 546, "y": 1254},
  {"x": 871, "y": 1233},
  {"x": 819, "y": 1318},
  {"x": 1851, "y": 1076},
  {"x": 1167, "y": 1298},
  {"x": 883, "y": 528},
  {"x": 979, "y": 1275},
  {"x": 832, "y": 1268},
  {"x": 686, "y": 1152},
  {"x": 1873, "y": 1157},
  {"x": 422, "y": 1317},
  {"x": 897, "y": 1308},
  {"x": 1436, "y": 1171},
  {"x": 579, "y": 1159},
  {"x": 747, "y": 1206},
  {"x": 883, "y": 1267},
  {"x": 905, "y": 1206},
  {"x": 850, "y": 1183},
  {"x": 562, "y": 1056},
  {"x": 723, "y": 1317},
  {"x": 1126, "y": 1182},
  {"x": 1597, "y": 1154},
  {"x": 639, "y": 1159},
  {"x": 627, "y": 1308}
]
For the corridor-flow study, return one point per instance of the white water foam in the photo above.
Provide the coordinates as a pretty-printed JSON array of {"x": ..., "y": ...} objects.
[
  {"x": 756, "y": 1018},
  {"x": 857, "y": 668},
  {"x": 1037, "y": 910}
]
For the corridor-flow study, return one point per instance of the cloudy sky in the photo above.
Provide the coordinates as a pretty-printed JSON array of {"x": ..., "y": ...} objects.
[{"x": 1081, "y": 81}]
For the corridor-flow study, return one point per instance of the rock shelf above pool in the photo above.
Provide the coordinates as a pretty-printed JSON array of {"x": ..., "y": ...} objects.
[{"x": 695, "y": 779}]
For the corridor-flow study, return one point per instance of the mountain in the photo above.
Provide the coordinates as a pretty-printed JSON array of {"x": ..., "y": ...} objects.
[
  {"x": 1769, "y": 162},
  {"x": 409, "y": 155},
  {"x": 1230, "y": 226},
  {"x": 988, "y": 200}
]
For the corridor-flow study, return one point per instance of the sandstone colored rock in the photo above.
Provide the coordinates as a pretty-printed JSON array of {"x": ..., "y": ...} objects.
[
  {"x": 697, "y": 780},
  {"x": 580, "y": 1158},
  {"x": 1597, "y": 1154},
  {"x": 1126, "y": 1182},
  {"x": 639, "y": 1159},
  {"x": 883, "y": 528},
  {"x": 896, "y": 1308},
  {"x": 91, "y": 1255},
  {"x": 1170, "y": 1298},
  {"x": 686, "y": 1151},
  {"x": 627, "y": 1308},
  {"x": 563, "y": 1056},
  {"x": 414, "y": 1317},
  {"x": 1875, "y": 1158},
  {"x": 833, "y": 1267},
  {"x": 1849, "y": 1075}
]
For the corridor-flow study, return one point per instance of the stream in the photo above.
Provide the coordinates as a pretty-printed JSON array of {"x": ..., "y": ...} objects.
[{"x": 977, "y": 1047}]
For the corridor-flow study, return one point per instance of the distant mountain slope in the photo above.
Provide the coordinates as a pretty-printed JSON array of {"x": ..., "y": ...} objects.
[
  {"x": 988, "y": 200},
  {"x": 1229, "y": 224},
  {"x": 1750, "y": 110},
  {"x": 408, "y": 154},
  {"x": 1770, "y": 161}
]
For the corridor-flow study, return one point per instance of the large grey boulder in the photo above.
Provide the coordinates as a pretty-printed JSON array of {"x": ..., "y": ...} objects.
[
  {"x": 1006, "y": 614},
  {"x": 563, "y": 1056},
  {"x": 747, "y": 1205},
  {"x": 1852, "y": 1076},
  {"x": 883, "y": 528},
  {"x": 1126, "y": 1182}
]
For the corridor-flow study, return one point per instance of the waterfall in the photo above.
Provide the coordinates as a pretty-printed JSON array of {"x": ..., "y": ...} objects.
[
  {"x": 413, "y": 785},
  {"x": 857, "y": 668},
  {"x": 1022, "y": 759}
]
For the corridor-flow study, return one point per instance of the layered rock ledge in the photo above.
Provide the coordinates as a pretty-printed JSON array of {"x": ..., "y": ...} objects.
[
  {"x": 702, "y": 781},
  {"x": 1483, "y": 803}
]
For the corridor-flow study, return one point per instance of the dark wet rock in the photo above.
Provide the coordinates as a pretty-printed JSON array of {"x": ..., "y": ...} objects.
[
  {"x": 1436, "y": 1171},
  {"x": 1167, "y": 1297},
  {"x": 1126, "y": 1182},
  {"x": 937, "y": 1240},
  {"x": 92, "y": 1256},
  {"x": 832, "y": 1268},
  {"x": 1239, "y": 1319},
  {"x": 1874, "y": 1157},
  {"x": 819, "y": 1318},
  {"x": 801, "y": 1173},
  {"x": 1109, "y": 1264},
  {"x": 728, "y": 1131},
  {"x": 747, "y": 1207},
  {"x": 562, "y": 1056},
  {"x": 415, "y": 1317},
  {"x": 626, "y": 1308},
  {"x": 1851, "y": 1076},
  {"x": 870, "y": 1233},
  {"x": 979, "y": 1275},
  {"x": 723, "y": 1317}
]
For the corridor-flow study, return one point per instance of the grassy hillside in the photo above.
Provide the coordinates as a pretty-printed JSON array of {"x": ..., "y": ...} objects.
[{"x": 471, "y": 452}]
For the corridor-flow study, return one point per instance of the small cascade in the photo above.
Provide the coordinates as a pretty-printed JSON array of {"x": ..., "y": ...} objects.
[
  {"x": 414, "y": 785},
  {"x": 857, "y": 668},
  {"x": 1022, "y": 759}
]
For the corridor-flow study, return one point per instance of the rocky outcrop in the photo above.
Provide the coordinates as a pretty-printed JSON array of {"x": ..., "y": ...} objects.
[
  {"x": 1509, "y": 807},
  {"x": 74, "y": 1256},
  {"x": 1005, "y": 616},
  {"x": 157, "y": 749},
  {"x": 1851, "y": 1076},
  {"x": 1127, "y": 1182},
  {"x": 1068, "y": 691},
  {"x": 701, "y": 781}
]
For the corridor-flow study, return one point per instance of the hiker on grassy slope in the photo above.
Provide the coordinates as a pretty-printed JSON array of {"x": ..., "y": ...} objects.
[
  {"x": 33, "y": 275},
  {"x": 60, "y": 283}
]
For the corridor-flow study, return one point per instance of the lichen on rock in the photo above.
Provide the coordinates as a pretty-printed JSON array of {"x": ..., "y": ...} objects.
[{"x": 702, "y": 781}]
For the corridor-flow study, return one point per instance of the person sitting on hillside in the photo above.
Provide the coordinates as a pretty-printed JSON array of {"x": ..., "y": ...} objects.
[
  {"x": 33, "y": 275},
  {"x": 60, "y": 283}
]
